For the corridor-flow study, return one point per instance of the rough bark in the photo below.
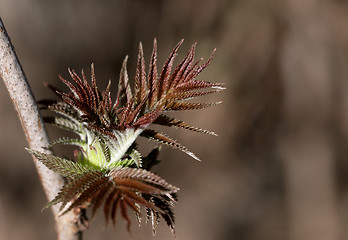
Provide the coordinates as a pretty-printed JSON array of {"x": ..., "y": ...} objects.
[{"x": 23, "y": 99}]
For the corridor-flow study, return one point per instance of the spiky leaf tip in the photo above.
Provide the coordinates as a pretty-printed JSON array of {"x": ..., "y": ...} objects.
[{"x": 108, "y": 168}]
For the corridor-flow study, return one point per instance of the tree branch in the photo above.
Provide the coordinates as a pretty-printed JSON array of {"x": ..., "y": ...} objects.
[{"x": 23, "y": 99}]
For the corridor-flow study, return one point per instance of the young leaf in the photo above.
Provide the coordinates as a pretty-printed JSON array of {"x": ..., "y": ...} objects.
[
  {"x": 161, "y": 138},
  {"x": 172, "y": 122},
  {"x": 63, "y": 167}
]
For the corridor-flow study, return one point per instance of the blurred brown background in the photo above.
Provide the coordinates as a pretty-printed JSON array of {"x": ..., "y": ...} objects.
[{"x": 279, "y": 168}]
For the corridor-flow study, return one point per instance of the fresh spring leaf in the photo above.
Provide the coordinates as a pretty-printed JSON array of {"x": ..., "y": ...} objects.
[
  {"x": 109, "y": 169},
  {"x": 62, "y": 166}
]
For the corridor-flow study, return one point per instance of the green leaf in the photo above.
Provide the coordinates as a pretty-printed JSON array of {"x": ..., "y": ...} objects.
[
  {"x": 69, "y": 125},
  {"x": 68, "y": 141},
  {"x": 62, "y": 166},
  {"x": 136, "y": 157}
]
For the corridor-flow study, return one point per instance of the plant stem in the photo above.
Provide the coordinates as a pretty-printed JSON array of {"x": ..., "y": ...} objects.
[{"x": 23, "y": 99}]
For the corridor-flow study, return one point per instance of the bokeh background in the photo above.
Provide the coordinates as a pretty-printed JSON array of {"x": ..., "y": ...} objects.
[{"x": 279, "y": 168}]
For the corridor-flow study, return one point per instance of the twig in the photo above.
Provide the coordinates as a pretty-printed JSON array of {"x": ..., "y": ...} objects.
[{"x": 23, "y": 99}]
